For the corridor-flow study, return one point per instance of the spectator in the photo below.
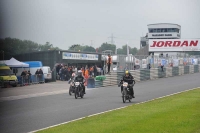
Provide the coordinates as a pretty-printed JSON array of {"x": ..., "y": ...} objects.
[
  {"x": 29, "y": 76},
  {"x": 23, "y": 73},
  {"x": 109, "y": 62},
  {"x": 95, "y": 70},
  {"x": 134, "y": 67},
  {"x": 23, "y": 77},
  {"x": 162, "y": 66},
  {"x": 41, "y": 78},
  {"x": 149, "y": 66},
  {"x": 37, "y": 72}
]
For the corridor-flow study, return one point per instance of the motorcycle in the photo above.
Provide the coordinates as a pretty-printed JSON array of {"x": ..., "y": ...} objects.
[
  {"x": 126, "y": 93},
  {"x": 78, "y": 90}
]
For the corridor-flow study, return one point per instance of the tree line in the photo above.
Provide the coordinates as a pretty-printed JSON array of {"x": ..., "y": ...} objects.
[
  {"x": 14, "y": 46},
  {"x": 103, "y": 47}
]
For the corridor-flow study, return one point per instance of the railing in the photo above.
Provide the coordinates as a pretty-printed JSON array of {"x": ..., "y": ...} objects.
[{"x": 30, "y": 79}]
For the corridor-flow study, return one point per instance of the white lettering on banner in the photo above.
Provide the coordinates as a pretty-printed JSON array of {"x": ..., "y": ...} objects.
[
  {"x": 174, "y": 45},
  {"x": 79, "y": 56}
]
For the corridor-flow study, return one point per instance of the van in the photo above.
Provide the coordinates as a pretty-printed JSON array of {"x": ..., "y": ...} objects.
[
  {"x": 7, "y": 77},
  {"x": 33, "y": 66},
  {"x": 47, "y": 73}
]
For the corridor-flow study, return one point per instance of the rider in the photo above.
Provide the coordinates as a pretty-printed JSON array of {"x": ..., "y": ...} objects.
[
  {"x": 80, "y": 78},
  {"x": 72, "y": 76},
  {"x": 128, "y": 78}
]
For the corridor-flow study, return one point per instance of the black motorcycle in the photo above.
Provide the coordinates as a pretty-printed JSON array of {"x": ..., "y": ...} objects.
[
  {"x": 126, "y": 93},
  {"x": 78, "y": 90}
]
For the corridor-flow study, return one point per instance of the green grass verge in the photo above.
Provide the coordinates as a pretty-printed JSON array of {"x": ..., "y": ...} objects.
[{"x": 179, "y": 113}]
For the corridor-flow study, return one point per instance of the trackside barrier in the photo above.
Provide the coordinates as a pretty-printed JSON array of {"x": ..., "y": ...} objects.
[
  {"x": 146, "y": 74},
  {"x": 91, "y": 83},
  {"x": 32, "y": 79},
  {"x": 24, "y": 80}
]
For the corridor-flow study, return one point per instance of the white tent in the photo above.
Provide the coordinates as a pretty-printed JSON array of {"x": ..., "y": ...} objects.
[{"x": 15, "y": 63}]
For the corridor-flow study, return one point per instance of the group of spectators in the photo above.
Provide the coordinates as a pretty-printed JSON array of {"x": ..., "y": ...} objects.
[
  {"x": 26, "y": 76},
  {"x": 64, "y": 72}
]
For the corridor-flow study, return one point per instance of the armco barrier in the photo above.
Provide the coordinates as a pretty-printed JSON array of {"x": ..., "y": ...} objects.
[{"x": 153, "y": 73}]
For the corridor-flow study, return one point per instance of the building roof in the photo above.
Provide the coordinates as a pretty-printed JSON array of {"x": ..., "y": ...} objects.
[{"x": 163, "y": 23}]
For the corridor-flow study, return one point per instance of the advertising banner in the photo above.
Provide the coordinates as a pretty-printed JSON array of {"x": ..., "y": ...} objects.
[
  {"x": 163, "y": 62},
  {"x": 79, "y": 56},
  {"x": 174, "y": 45},
  {"x": 175, "y": 62},
  {"x": 137, "y": 61},
  {"x": 144, "y": 63}
]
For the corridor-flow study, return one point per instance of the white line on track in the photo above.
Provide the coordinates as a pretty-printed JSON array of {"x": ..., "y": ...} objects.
[{"x": 111, "y": 110}]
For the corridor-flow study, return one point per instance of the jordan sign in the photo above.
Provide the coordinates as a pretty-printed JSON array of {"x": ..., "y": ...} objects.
[{"x": 157, "y": 45}]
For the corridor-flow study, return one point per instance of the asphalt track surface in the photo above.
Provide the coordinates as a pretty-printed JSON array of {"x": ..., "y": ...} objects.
[{"x": 29, "y": 114}]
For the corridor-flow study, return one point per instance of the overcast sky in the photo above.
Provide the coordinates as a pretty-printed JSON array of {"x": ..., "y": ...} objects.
[{"x": 67, "y": 22}]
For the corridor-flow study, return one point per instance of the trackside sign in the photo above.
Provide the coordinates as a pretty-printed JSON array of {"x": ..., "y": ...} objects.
[{"x": 174, "y": 45}]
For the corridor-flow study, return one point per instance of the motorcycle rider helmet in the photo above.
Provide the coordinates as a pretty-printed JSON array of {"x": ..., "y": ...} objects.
[
  {"x": 126, "y": 72},
  {"x": 79, "y": 73}
]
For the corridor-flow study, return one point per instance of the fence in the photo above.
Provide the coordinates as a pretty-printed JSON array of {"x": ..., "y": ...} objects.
[
  {"x": 131, "y": 62},
  {"x": 32, "y": 79}
]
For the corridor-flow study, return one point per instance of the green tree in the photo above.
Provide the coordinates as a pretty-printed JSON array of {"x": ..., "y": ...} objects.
[
  {"x": 13, "y": 46},
  {"x": 123, "y": 50},
  {"x": 89, "y": 49},
  {"x": 106, "y": 46},
  {"x": 133, "y": 51},
  {"x": 77, "y": 47}
]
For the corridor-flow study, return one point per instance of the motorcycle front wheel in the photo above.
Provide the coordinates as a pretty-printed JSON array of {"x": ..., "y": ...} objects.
[
  {"x": 81, "y": 93},
  {"x": 124, "y": 95}
]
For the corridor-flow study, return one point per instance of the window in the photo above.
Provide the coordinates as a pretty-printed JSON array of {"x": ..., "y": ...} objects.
[
  {"x": 173, "y": 30},
  {"x": 150, "y": 30},
  {"x": 169, "y": 30},
  {"x": 158, "y": 30},
  {"x": 154, "y": 30}
]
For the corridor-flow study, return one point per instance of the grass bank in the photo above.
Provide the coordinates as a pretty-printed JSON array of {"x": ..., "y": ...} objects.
[{"x": 179, "y": 113}]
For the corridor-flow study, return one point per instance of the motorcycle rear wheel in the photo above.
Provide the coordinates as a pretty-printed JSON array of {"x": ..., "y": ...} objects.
[
  {"x": 70, "y": 89},
  {"x": 76, "y": 93}
]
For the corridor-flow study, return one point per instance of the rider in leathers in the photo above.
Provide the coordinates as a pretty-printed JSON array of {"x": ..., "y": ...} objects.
[
  {"x": 129, "y": 79},
  {"x": 80, "y": 78}
]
